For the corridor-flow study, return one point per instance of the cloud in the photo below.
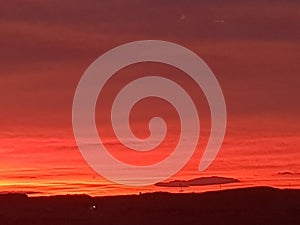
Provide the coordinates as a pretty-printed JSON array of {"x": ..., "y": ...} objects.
[
  {"x": 288, "y": 173},
  {"x": 202, "y": 181}
]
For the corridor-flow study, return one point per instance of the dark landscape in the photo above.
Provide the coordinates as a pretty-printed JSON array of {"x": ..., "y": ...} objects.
[{"x": 255, "y": 205}]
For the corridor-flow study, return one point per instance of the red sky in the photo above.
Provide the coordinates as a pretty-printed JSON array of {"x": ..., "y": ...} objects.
[{"x": 252, "y": 47}]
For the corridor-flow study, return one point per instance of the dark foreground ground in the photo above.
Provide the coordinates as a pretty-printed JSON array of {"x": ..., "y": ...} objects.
[{"x": 261, "y": 206}]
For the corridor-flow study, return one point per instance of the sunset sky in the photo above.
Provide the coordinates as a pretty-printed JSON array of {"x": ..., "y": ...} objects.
[{"x": 253, "y": 48}]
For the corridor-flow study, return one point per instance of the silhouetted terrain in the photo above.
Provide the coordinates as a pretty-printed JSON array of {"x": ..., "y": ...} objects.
[{"x": 260, "y": 205}]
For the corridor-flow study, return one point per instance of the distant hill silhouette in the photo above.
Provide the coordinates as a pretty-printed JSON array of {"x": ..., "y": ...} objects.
[
  {"x": 12, "y": 196},
  {"x": 198, "y": 182}
]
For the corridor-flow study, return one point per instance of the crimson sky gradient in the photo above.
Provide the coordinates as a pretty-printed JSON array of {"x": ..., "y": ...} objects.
[{"x": 251, "y": 46}]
